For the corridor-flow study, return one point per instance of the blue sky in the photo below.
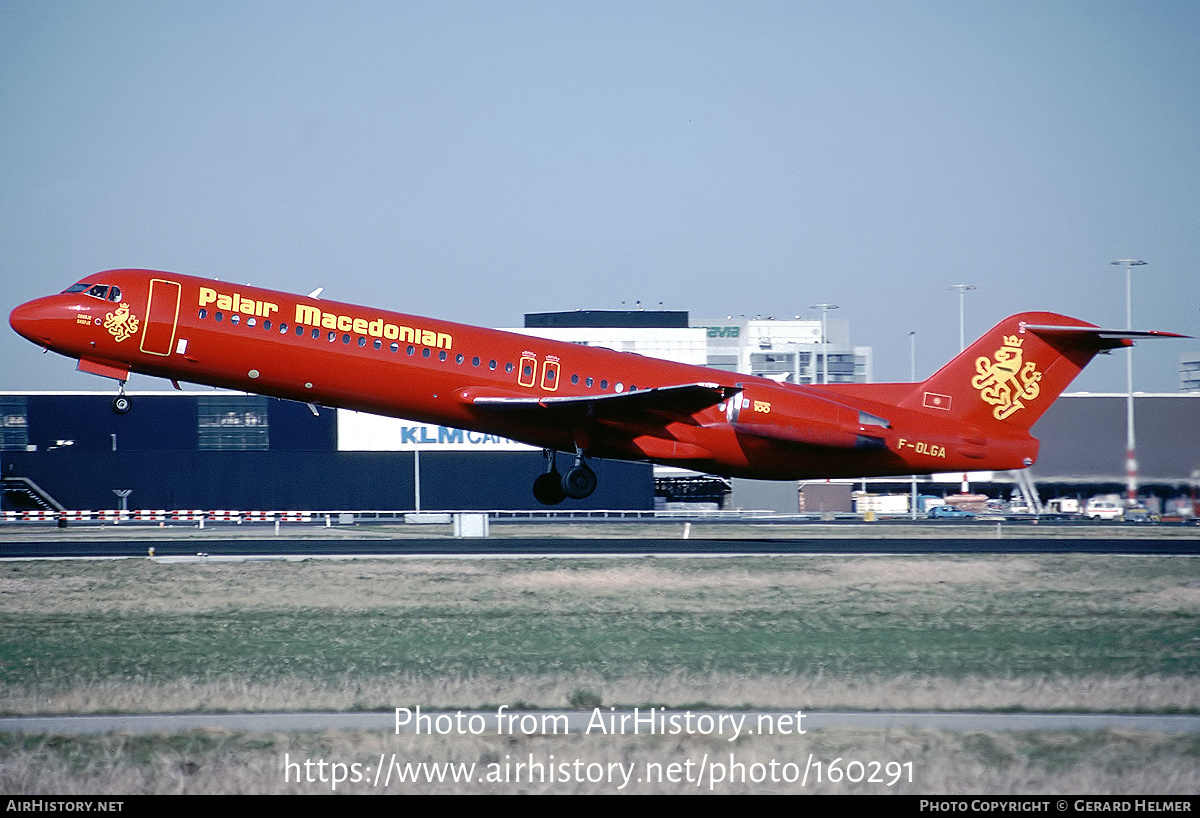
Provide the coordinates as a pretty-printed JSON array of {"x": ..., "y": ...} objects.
[{"x": 479, "y": 160}]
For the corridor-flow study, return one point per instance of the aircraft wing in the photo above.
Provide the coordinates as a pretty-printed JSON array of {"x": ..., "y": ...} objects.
[{"x": 679, "y": 401}]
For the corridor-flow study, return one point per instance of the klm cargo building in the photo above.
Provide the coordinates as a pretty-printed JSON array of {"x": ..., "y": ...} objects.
[{"x": 225, "y": 450}]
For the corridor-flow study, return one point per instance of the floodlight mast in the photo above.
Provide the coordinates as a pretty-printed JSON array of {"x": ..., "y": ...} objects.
[
  {"x": 1131, "y": 466},
  {"x": 962, "y": 291},
  {"x": 962, "y": 344}
]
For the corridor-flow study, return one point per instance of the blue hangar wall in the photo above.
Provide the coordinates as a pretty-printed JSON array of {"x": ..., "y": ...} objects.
[{"x": 249, "y": 453}]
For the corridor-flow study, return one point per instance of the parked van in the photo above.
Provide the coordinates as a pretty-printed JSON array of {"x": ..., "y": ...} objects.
[
  {"x": 1104, "y": 508},
  {"x": 1063, "y": 505}
]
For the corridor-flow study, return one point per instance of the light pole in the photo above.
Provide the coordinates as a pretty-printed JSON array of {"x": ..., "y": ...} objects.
[
  {"x": 962, "y": 343},
  {"x": 824, "y": 308},
  {"x": 912, "y": 376},
  {"x": 1131, "y": 467},
  {"x": 912, "y": 356},
  {"x": 962, "y": 291}
]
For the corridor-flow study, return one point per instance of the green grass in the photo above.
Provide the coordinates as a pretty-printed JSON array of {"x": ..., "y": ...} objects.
[{"x": 431, "y": 642}]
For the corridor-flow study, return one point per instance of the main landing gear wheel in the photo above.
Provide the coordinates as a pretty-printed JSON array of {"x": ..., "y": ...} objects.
[
  {"x": 551, "y": 488},
  {"x": 579, "y": 482},
  {"x": 547, "y": 489}
]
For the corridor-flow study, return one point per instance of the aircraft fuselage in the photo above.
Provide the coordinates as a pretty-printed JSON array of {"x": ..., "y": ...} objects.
[{"x": 563, "y": 396}]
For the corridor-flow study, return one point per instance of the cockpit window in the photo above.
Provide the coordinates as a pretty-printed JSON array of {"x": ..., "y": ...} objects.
[{"x": 102, "y": 291}]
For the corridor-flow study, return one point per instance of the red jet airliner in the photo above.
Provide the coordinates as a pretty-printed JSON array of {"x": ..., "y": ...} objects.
[{"x": 974, "y": 414}]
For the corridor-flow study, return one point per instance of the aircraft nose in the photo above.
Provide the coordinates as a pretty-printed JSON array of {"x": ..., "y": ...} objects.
[{"x": 27, "y": 318}]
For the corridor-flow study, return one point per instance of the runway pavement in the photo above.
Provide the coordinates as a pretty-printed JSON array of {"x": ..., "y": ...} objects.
[
  {"x": 576, "y": 721},
  {"x": 589, "y": 538}
]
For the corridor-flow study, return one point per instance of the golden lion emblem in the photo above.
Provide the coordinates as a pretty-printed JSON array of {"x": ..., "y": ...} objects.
[
  {"x": 121, "y": 324},
  {"x": 1007, "y": 381}
]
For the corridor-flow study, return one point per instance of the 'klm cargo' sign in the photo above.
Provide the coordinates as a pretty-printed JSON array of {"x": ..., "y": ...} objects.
[{"x": 360, "y": 432}]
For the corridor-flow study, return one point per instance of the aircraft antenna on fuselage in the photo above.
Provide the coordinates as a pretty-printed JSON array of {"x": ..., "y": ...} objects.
[{"x": 316, "y": 293}]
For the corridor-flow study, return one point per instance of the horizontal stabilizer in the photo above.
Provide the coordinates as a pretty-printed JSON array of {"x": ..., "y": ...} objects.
[{"x": 1096, "y": 337}]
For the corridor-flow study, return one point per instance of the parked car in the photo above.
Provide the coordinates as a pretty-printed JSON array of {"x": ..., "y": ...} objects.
[
  {"x": 943, "y": 512},
  {"x": 1138, "y": 514}
]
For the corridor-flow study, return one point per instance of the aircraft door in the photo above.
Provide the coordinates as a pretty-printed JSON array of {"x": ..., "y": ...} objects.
[
  {"x": 528, "y": 370},
  {"x": 162, "y": 317},
  {"x": 550, "y": 374}
]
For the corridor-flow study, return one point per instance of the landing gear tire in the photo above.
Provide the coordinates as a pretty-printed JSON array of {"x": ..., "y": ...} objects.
[
  {"x": 121, "y": 404},
  {"x": 548, "y": 489},
  {"x": 579, "y": 482}
]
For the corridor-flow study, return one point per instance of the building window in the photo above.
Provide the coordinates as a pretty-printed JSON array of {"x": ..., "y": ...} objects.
[
  {"x": 727, "y": 362},
  {"x": 233, "y": 423},
  {"x": 14, "y": 424}
]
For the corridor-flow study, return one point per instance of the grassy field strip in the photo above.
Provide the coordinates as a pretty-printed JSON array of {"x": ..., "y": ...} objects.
[
  {"x": 941, "y": 763},
  {"x": 1062, "y": 633},
  {"x": 1066, "y": 632}
]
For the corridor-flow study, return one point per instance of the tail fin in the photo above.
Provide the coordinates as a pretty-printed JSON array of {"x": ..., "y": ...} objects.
[{"x": 1016, "y": 370}]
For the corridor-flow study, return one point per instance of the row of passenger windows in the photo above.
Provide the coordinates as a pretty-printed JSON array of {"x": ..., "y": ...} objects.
[{"x": 426, "y": 352}]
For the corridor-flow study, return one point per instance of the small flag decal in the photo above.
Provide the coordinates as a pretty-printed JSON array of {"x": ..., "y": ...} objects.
[{"x": 935, "y": 401}]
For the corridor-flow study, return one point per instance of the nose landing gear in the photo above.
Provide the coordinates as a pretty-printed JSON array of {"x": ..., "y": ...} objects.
[{"x": 121, "y": 404}]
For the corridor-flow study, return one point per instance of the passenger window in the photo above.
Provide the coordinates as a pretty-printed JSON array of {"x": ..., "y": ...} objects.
[{"x": 203, "y": 313}]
